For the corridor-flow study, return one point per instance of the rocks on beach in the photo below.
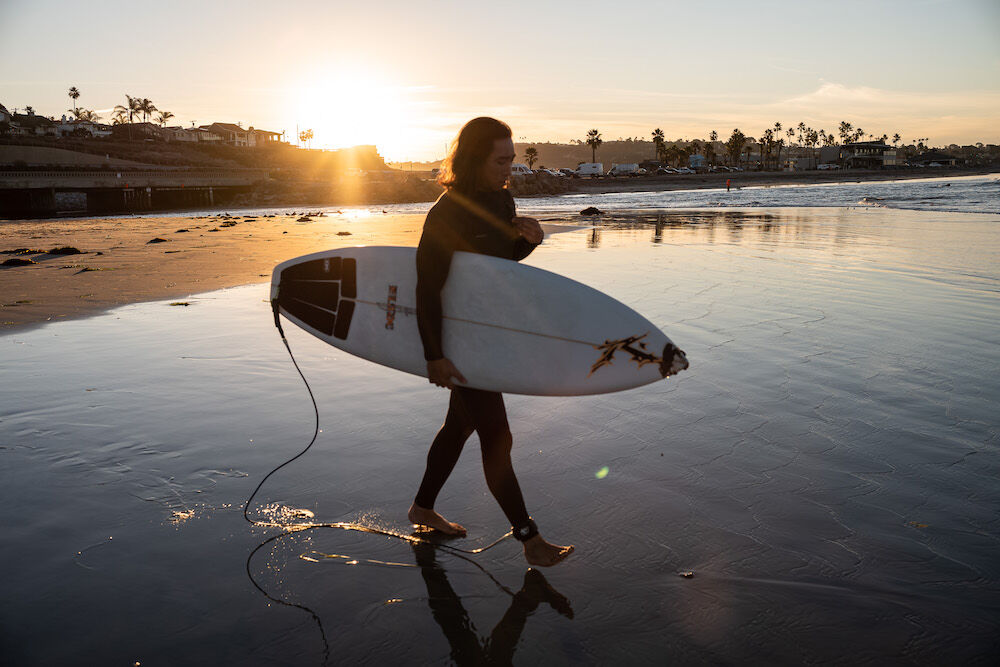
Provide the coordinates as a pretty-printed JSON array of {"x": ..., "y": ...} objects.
[{"x": 18, "y": 261}]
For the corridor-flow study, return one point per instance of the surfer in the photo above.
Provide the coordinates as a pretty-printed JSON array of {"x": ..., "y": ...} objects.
[{"x": 475, "y": 214}]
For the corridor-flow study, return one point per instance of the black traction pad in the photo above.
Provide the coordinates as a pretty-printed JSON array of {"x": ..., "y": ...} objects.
[{"x": 317, "y": 292}]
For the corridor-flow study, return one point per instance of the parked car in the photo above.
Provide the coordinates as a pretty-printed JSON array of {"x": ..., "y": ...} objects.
[
  {"x": 519, "y": 169},
  {"x": 567, "y": 172},
  {"x": 685, "y": 170},
  {"x": 590, "y": 169},
  {"x": 662, "y": 171},
  {"x": 626, "y": 169},
  {"x": 829, "y": 166}
]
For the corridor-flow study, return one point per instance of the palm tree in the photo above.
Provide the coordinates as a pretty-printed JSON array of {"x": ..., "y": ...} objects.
[
  {"x": 163, "y": 117},
  {"x": 734, "y": 147},
  {"x": 531, "y": 156},
  {"x": 895, "y": 139},
  {"x": 29, "y": 109},
  {"x": 120, "y": 116},
  {"x": 594, "y": 141},
  {"x": 658, "y": 139},
  {"x": 88, "y": 114},
  {"x": 146, "y": 107},
  {"x": 306, "y": 136},
  {"x": 845, "y": 131},
  {"x": 74, "y": 94}
]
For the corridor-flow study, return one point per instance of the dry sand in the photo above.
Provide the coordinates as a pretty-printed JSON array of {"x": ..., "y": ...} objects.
[{"x": 119, "y": 265}]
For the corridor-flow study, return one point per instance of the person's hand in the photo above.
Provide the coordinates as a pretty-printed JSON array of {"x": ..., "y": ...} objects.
[
  {"x": 441, "y": 371},
  {"x": 529, "y": 229}
]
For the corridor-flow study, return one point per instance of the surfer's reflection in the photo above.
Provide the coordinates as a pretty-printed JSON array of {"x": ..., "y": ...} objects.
[{"x": 448, "y": 612}]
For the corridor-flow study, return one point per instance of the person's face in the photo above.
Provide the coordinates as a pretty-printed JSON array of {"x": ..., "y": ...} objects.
[{"x": 496, "y": 171}]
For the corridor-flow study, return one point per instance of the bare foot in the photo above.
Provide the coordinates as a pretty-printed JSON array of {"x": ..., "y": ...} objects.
[
  {"x": 539, "y": 552},
  {"x": 425, "y": 517}
]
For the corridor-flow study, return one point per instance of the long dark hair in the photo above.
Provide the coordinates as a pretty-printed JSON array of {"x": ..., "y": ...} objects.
[{"x": 473, "y": 145}]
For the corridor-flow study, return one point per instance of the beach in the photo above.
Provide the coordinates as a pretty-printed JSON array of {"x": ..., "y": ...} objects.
[
  {"x": 121, "y": 261},
  {"x": 820, "y": 486}
]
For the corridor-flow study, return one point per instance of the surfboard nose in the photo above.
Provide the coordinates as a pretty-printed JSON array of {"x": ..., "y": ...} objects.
[{"x": 674, "y": 360}]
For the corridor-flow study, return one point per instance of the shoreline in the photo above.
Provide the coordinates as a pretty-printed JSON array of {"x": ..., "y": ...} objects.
[
  {"x": 576, "y": 186},
  {"x": 743, "y": 179}
]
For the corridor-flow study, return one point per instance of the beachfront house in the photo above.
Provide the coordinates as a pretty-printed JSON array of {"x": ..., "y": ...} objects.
[
  {"x": 5, "y": 116},
  {"x": 860, "y": 155},
  {"x": 234, "y": 135},
  {"x": 71, "y": 127},
  {"x": 933, "y": 158},
  {"x": 263, "y": 137},
  {"x": 190, "y": 134},
  {"x": 32, "y": 124},
  {"x": 138, "y": 131},
  {"x": 231, "y": 135}
]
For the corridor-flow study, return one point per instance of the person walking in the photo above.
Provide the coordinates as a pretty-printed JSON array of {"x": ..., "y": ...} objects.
[{"x": 476, "y": 214}]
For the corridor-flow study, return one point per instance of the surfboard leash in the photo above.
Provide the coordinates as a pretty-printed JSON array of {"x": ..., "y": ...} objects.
[{"x": 295, "y": 527}]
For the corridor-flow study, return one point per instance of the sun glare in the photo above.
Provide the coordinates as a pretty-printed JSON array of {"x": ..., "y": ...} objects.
[{"x": 353, "y": 108}]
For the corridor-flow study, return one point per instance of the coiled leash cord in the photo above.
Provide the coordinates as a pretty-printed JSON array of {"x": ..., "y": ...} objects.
[{"x": 295, "y": 527}]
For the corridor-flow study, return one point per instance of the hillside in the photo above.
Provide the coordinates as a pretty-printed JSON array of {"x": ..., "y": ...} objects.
[{"x": 308, "y": 163}]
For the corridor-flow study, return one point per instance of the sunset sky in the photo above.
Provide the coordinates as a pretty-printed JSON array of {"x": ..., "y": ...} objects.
[{"x": 406, "y": 75}]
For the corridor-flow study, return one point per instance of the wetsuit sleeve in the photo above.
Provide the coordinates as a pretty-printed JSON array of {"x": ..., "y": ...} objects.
[{"x": 433, "y": 263}]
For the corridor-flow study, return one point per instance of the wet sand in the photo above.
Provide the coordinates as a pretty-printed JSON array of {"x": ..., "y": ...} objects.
[
  {"x": 826, "y": 471},
  {"x": 119, "y": 265}
]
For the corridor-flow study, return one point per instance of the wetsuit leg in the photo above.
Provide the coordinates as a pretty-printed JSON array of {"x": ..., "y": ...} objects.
[
  {"x": 444, "y": 452},
  {"x": 486, "y": 413}
]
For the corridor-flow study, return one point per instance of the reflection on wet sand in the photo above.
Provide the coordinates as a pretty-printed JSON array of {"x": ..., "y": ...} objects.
[
  {"x": 447, "y": 610},
  {"x": 445, "y": 604},
  {"x": 705, "y": 224}
]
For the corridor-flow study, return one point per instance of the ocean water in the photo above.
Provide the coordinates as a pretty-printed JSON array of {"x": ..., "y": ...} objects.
[
  {"x": 961, "y": 194},
  {"x": 826, "y": 471}
]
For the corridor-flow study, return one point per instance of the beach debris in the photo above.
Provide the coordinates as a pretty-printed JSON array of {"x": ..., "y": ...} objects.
[
  {"x": 229, "y": 224},
  {"x": 181, "y": 231},
  {"x": 156, "y": 240},
  {"x": 98, "y": 253},
  {"x": 180, "y": 303},
  {"x": 343, "y": 233},
  {"x": 304, "y": 218},
  {"x": 85, "y": 269},
  {"x": 18, "y": 261},
  {"x": 284, "y": 232},
  {"x": 591, "y": 210},
  {"x": 214, "y": 229},
  {"x": 65, "y": 250},
  {"x": 917, "y": 524},
  {"x": 687, "y": 574}
]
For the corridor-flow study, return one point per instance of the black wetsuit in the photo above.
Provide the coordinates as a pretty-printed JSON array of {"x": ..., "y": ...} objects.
[{"x": 481, "y": 223}]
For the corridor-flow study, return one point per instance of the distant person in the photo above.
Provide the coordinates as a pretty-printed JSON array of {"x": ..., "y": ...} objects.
[{"x": 475, "y": 214}]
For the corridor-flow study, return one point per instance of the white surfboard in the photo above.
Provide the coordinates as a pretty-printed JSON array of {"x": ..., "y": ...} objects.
[{"x": 507, "y": 327}]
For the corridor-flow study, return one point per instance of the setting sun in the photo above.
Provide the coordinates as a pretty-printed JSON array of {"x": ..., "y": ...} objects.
[{"x": 352, "y": 108}]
